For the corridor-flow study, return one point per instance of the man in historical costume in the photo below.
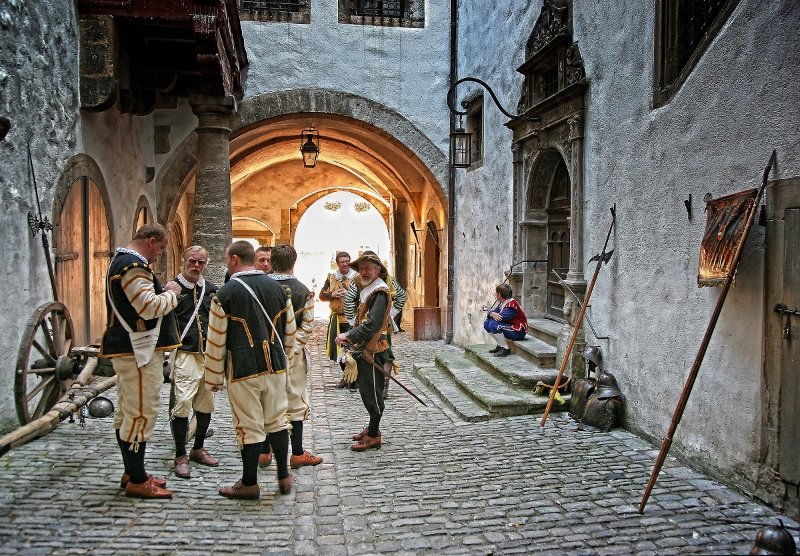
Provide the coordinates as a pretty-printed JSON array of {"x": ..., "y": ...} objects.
[
  {"x": 194, "y": 302},
  {"x": 506, "y": 321},
  {"x": 141, "y": 326},
  {"x": 264, "y": 258},
  {"x": 368, "y": 342},
  {"x": 251, "y": 334},
  {"x": 334, "y": 291},
  {"x": 399, "y": 298},
  {"x": 283, "y": 260}
]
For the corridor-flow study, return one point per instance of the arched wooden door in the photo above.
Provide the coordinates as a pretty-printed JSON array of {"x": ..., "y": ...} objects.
[
  {"x": 82, "y": 257},
  {"x": 558, "y": 240},
  {"x": 431, "y": 265}
]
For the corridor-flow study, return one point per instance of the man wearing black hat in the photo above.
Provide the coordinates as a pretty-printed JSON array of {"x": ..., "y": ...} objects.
[{"x": 368, "y": 343}]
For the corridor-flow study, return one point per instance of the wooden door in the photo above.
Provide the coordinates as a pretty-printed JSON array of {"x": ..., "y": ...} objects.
[
  {"x": 558, "y": 212},
  {"x": 431, "y": 265},
  {"x": 82, "y": 256},
  {"x": 782, "y": 366}
]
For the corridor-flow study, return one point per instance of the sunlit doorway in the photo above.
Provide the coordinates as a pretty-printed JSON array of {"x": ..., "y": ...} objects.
[{"x": 341, "y": 221}]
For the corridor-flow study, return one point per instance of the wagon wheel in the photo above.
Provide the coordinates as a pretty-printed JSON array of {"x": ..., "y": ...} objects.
[{"x": 43, "y": 364}]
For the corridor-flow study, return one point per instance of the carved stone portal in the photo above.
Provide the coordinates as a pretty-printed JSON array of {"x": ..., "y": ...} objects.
[{"x": 548, "y": 177}]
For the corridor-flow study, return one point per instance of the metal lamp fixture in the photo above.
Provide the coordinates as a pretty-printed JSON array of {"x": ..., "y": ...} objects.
[
  {"x": 309, "y": 147},
  {"x": 460, "y": 140},
  {"x": 460, "y": 146}
]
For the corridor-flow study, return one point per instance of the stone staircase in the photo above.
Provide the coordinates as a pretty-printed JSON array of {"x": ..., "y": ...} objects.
[{"x": 478, "y": 386}]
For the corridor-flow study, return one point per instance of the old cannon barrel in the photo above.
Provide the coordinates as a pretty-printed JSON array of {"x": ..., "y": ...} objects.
[{"x": 79, "y": 394}]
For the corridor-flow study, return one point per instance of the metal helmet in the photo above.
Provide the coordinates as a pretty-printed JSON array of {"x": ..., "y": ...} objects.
[
  {"x": 101, "y": 407},
  {"x": 592, "y": 353},
  {"x": 607, "y": 387},
  {"x": 773, "y": 539}
]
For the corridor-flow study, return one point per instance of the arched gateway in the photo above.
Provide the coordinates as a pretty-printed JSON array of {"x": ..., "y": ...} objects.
[{"x": 365, "y": 147}]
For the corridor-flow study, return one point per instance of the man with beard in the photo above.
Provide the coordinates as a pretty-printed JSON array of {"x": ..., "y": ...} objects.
[
  {"x": 189, "y": 392},
  {"x": 250, "y": 343},
  {"x": 334, "y": 291},
  {"x": 368, "y": 342}
]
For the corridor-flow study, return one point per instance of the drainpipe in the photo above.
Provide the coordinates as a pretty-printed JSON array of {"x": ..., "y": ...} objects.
[{"x": 451, "y": 183}]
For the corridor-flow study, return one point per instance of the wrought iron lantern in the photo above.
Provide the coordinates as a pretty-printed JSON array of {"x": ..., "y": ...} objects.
[
  {"x": 460, "y": 146},
  {"x": 309, "y": 147},
  {"x": 460, "y": 140}
]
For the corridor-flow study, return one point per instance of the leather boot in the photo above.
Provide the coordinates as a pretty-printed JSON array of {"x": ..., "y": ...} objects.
[
  {"x": 285, "y": 485},
  {"x": 123, "y": 482},
  {"x": 367, "y": 443},
  {"x": 360, "y": 435},
  {"x": 182, "y": 468},
  {"x": 202, "y": 457},
  {"x": 147, "y": 489},
  {"x": 238, "y": 490}
]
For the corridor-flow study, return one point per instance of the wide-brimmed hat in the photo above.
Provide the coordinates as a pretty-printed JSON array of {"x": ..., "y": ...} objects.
[{"x": 371, "y": 257}]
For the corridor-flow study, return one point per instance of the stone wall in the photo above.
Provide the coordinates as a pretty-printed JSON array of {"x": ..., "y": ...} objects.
[
  {"x": 715, "y": 136},
  {"x": 39, "y": 83},
  {"x": 405, "y": 69}
]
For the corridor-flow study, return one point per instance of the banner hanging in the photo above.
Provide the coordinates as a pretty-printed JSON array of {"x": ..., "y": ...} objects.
[{"x": 724, "y": 228}]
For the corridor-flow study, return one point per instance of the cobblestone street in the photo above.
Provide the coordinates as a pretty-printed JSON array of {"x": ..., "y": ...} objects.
[{"x": 438, "y": 485}]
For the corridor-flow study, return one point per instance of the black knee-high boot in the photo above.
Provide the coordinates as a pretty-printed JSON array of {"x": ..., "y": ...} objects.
[
  {"x": 250, "y": 453},
  {"x": 180, "y": 426},
  {"x": 136, "y": 462},
  {"x": 203, "y": 420},
  {"x": 297, "y": 438},
  {"x": 280, "y": 446},
  {"x": 124, "y": 451}
]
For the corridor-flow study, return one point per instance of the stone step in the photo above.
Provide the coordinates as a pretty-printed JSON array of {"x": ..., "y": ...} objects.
[
  {"x": 545, "y": 329},
  {"x": 512, "y": 369},
  {"x": 535, "y": 351},
  {"x": 442, "y": 384},
  {"x": 498, "y": 396}
]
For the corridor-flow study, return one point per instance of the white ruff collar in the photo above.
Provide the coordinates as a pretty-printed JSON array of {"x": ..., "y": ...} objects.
[
  {"x": 247, "y": 273},
  {"x": 134, "y": 253},
  {"x": 339, "y": 276},
  {"x": 190, "y": 285},
  {"x": 377, "y": 284}
]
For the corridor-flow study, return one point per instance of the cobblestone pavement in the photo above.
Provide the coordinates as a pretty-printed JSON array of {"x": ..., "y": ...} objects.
[{"x": 437, "y": 485}]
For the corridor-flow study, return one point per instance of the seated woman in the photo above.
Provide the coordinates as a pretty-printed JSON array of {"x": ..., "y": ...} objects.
[{"x": 506, "y": 321}]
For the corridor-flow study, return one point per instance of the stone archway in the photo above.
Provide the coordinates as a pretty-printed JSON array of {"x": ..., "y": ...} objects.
[
  {"x": 365, "y": 146},
  {"x": 83, "y": 243}
]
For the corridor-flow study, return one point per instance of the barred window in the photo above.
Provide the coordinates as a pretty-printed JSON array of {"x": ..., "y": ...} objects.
[
  {"x": 380, "y": 8},
  {"x": 387, "y": 13},
  {"x": 684, "y": 29},
  {"x": 292, "y": 11}
]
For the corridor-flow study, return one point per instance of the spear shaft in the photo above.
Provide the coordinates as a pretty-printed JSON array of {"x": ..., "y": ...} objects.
[
  {"x": 698, "y": 360},
  {"x": 42, "y": 224},
  {"x": 601, "y": 258}
]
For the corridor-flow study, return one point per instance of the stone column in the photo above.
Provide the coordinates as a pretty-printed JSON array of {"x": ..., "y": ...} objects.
[
  {"x": 575, "y": 277},
  {"x": 212, "y": 208},
  {"x": 575, "y": 274}
]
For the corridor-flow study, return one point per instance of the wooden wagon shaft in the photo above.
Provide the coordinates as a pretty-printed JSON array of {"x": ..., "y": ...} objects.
[{"x": 78, "y": 395}]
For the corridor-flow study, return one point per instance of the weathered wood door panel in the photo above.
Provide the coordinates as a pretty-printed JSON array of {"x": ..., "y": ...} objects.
[
  {"x": 82, "y": 256},
  {"x": 782, "y": 331},
  {"x": 790, "y": 352}
]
